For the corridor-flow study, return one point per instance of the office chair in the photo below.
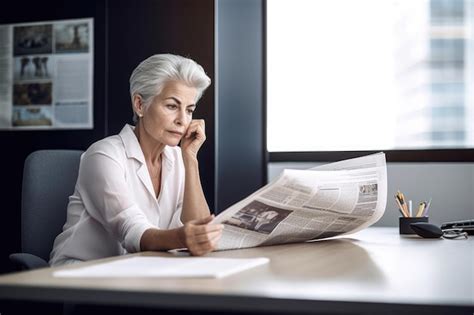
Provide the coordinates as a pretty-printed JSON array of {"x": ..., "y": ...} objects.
[{"x": 49, "y": 177}]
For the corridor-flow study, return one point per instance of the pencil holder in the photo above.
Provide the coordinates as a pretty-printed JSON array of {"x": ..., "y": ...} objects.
[{"x": 404, "y": 224}]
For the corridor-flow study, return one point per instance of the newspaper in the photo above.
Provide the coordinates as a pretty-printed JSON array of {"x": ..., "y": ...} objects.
[{"x": 302, "y": 205}]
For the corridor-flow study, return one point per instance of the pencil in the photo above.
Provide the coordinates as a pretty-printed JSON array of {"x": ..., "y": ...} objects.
[
  {"x": 404, "y": 202},
  {"x": 425, "y": 213},
  {"x": 401, "y": 198},
  {"x": 400, "y": 207},
  {"x": 420, "y": 209}
]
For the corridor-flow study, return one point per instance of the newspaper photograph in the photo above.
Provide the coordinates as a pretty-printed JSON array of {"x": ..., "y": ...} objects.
[
  {"x": 46, "y": 79},
  {"x": 302, "y": 205}
]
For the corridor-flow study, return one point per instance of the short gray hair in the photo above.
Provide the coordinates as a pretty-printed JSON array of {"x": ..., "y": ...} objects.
[{"x": 150, "y": 76}]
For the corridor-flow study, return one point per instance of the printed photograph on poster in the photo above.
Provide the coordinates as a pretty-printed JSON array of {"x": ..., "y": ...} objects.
[
  {"x": 72, "y": 37},
  {"x": 35, "y": 67},
  {"x": 32, "y": 94},
  {"x": 46, "y": 77},
  {"x": 36, "y": 39},
  {"x": 32, "y": 116}
]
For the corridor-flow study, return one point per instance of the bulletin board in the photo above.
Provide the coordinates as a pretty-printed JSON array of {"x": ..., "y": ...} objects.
[{"x": 46, "y": 75}]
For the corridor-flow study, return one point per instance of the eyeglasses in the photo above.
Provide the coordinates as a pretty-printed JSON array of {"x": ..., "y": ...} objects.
[{"x": 454, "y": 234}]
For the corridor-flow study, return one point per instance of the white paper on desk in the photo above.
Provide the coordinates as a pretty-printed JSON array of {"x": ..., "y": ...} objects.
[{"x": 165, "y": 267}]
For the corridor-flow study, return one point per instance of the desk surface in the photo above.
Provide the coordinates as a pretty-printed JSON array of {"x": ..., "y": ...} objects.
[{"x": 368, "y": 271}]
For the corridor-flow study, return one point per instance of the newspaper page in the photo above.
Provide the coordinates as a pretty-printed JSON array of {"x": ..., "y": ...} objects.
[
  {"x": 46, "y": 75},
  {"x": 302, "y": 205}
]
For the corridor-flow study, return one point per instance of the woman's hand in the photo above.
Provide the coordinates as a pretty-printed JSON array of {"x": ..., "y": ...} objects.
[
  {"x": 199, "y": 236},
  {"x": 193, "y": 138}
]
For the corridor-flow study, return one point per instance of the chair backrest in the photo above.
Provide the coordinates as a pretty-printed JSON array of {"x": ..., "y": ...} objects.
[{"x": 49, "y": 177}]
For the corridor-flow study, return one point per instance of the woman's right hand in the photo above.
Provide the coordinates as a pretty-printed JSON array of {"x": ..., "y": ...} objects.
[{"x": 199, "y": 236}]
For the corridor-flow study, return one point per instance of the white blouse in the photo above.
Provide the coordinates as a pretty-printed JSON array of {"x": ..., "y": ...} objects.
[{"x": 114, "y": 201}]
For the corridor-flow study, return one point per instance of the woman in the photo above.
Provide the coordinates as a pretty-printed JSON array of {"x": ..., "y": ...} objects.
[{"x": 139, "y": 191}]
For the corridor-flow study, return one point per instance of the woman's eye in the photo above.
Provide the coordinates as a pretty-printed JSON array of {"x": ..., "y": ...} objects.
[
  {"x": 171, "y": 106},
  {"x": 190, "y": 111}
]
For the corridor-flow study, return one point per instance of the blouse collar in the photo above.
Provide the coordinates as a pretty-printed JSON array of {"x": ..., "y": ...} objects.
[{"x": 133, "y": 149}]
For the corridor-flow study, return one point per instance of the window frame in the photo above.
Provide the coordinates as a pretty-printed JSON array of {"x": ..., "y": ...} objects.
[{"x": 436, "y": 155}]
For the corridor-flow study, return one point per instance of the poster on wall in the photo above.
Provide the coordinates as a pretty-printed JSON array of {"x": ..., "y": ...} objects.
[{"x": 46, "y": 75}]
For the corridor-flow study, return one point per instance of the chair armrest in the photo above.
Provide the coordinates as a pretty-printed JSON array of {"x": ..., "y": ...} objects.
[{"x": 25, "y": 261}]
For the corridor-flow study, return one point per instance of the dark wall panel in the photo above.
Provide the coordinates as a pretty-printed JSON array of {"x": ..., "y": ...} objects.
[{"x": 240, "y": 158}]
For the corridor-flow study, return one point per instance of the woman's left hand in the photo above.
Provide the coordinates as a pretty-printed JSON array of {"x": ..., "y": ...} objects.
[{"x": 193, "y": 138}]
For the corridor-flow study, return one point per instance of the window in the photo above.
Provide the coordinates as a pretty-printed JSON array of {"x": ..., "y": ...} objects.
[{"x": 369, "y": 75}]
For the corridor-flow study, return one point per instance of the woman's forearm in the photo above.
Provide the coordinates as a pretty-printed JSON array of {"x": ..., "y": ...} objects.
[
  {"x": 194, "y": 202},
  {"x": 156, "y": 240},
  {"x": 198, "y": 236}
]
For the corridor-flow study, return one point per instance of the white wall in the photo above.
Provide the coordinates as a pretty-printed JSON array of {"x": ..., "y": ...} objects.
[{"x": 451, "y": 185}]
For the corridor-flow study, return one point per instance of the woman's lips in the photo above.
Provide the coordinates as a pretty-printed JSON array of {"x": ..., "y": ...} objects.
[{"x": 176, "y": 133}]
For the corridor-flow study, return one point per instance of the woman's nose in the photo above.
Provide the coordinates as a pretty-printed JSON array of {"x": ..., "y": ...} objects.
[{"x": 182, "y": 118}]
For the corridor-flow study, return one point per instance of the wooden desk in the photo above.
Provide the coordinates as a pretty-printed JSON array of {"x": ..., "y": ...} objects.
[{"x": 374, "y": 271}]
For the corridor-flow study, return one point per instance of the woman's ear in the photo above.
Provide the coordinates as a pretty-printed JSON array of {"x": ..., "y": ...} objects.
[{"x": 138, "y": 105}]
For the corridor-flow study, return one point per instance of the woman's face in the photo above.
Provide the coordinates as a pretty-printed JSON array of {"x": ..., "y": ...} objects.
[{"x": 170, "y": 113}]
